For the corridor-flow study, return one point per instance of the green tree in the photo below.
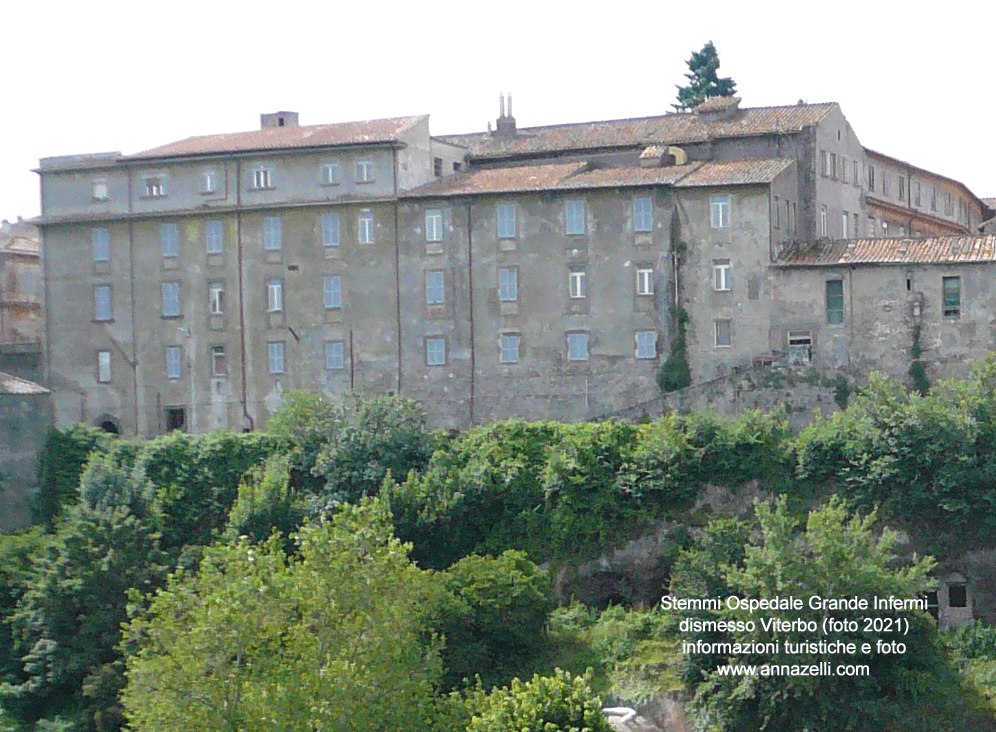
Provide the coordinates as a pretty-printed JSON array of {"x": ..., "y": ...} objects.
[
  {"x": 333, "y": 639},
  {"x": 703, "y": 80}
]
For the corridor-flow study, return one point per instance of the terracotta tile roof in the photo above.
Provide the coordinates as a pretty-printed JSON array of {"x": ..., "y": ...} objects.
[
  {"x": 576, "y": 176},
  {"x": 735, "y": 172},
  {"x": 10, "y": 384},
  {"x": 280, "y": 138},
  {"x": 716, "y": 104},
  {"x": 668, "y": 129},
  {"x": 898, "y": 162},
  {"x": 939, "y": 250}
]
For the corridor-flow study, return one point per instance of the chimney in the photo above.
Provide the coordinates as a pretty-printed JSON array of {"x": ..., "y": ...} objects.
[
  {"x": 506, "y": 123},
  {"x": 278, "y": 119}
]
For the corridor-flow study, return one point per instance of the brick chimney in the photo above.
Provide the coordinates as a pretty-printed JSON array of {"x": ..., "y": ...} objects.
[
  {"x": 506, "y": 123},
  {"x": 278, "y": 119}
]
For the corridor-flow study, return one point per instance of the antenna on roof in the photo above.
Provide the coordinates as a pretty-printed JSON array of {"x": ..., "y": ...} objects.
[
  {"x": 501, "y": 106},
  {"x": 510, "y": 104}
]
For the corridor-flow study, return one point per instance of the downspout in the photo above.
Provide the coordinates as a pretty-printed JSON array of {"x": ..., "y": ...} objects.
[
  {"x": 470, "y": 290},
  {"x": 242, "y": 308},
  {"x": 397, "y": 267},
  {"x": 46, "y": 313},
  {"x": 131, "y": 277}
]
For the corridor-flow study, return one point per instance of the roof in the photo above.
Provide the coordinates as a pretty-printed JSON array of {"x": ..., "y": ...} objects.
[
  {"x": 280, "y": 138},
  {"x": 938, "y": 250},
  {"x": 669, "y": 129},
  {"x": 898, "y": 161},
  {"x": 578, "y": 176},
  {"x": 10, "y": 384}
]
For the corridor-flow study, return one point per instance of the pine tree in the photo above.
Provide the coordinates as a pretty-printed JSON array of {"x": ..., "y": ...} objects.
[{"x": 703, "y": 82}]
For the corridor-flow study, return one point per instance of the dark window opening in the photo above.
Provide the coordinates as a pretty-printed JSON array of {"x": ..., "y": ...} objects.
[
  {"x": 957, "y": 595},
  {"x": 176, "y": 419},
  {"x": 437, "y": 167},
  {"x": 109, "y": 427},
  {"x": 280, "y": 122},
  {"x": 909, "y": 284}
]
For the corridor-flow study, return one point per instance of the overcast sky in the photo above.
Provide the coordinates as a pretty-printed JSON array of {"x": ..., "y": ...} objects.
[{"x": 95, "y": 77}]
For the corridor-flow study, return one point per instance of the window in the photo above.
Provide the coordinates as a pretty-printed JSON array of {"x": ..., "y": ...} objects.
[
  {"x": 902, "y": 187},
  {"x": 856, "y": 231},
  {"x": 171, "y": 299},
  {"x": 169, "y": 239},
  {"x": 575, "y": 217},
  {"x": 434, "y": 225},
  {"x": 219, "y": 364},
  {"x": 434, "y": 290},
  {"x": 800, "y": 346},
  {"x": 576, "y": 284},
  {"x": 273, "y": 235},
  {"x": 275, "y": 357},
  {"x": 104, "y": 367},
  {"x": 101, "y": 240},
  {"x": 722, "y": 275},
  {"x": 364, "y": 171},
  {"x": 435, "y": 351},
  {"x": 176, "y": 418},
  {"x": 643, "y": 213},
  {"x": 508, "y": 284},
  {"x": 506, "y": 220},
  {"x": 644, "y": 281},
  {"x": 155, "y": 187},
  {"x": 778, "y": 214},
  {"x": 833, "y": 165},
  {"x": 332, "y": 292},
  {"x": 216, "y": 298},
  {"x": 437, "y": 167},
  {"x": 100, "y": 190},
  {"x": 885, "y": 228},
  {"x": 951, "y": 287},
  {"x": 948, "y": 207},
  {"x": 335, "y": 355},
  {"x": 844, "y": 220},
  {"x": 457, "y": 167},
  {"x": 646, "y": 344},
  {"x": 885, "y": 182},
  {"x": 835, "y": 302},
  {"x": 724, "y": 333},
  {"x": 843, "y": 168},
  {"x": 509, "y": 345},
  {"x": 330, "y": 174},
  {"x": 826, "y": 163},
  {"x": 214, "y": 236},
  {"x": 261, "y": 178},
  {"x": 207, "y": 181},
  {"x": 720, "y": 212},
  {"x": 857, "y": 173},
  {"x": 933, "y": 198},
  {"x": 173, "y": 357},
  {"x": 577, "y": 346},
  {"x": 275, "y": 296},
  {"x": 330, "y": 230},
  {"x": 823, "y": 220},
  {"x": 366, "y": 227},
  {"x": 957, "y": 594},
  {"x": 916, "y": 194},
  {"x": 102, "y": 309}
]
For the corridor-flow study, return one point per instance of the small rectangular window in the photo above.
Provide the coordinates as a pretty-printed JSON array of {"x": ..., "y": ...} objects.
[
  {"x": 207, "y": 181},
  {"x": 576, "y": 284},
  {"x": 100, "y": 190},
  {"x": 948, "y": 205},
  {"x": 826, "y": 163},
  {"x": 366, "y": 230},
  {"x": 508, "y": 284},
  {"x": 823, "y": 220},
  {"x": 800, "y": 346},
  {"x": 275, "y": 357},
  {"x": 102, "y": 308},
  {"x": 871, "y": 178},
  {"x": 506, "y": 220},
  {"x": 216, "y": 298},
  {"x": 214, "y": 236},
  {"x": 261, "y": 178},
  {"x": 643, "y": 213},
  {"x": 722, "y": 271},
  {"x": 902, "y": 187},
  {"x": 833, "y": 165},
  {"x": 957, "y": 594},
  {"x": 434, "y": 225},
  {"x": 330, "y": 174},
  {"x": 219, "y": 364},
  {"x": 933, "y": 198},
  {"x": 101, "y": 240},
  {"x": 330, "y": 230},
  {"x": 435, "y": 351},
  {"x": 724, "y": 333},
  {"x": 835, "y": 302},
  {"x": 509, "y": 348},
  {"x": 335, "y": 355},
  {"x": 644, "y": 281},
  {"x": 332, "y": 292},
  {"x": 169, "y": 239},
  {"x": 171, "y": 299},
  {"x": 435, "y": 293},
  {"x": 577, "y": 346},
  {"x": 104, "y": 367},
  {"x": 437, "y": 167},
  {"x": 575, "y": 224},
  {"x": 885, "y": 182},
  {"x": 275, "y": 296},
  {"x": 174, "y": 356},
  {"x": 778, "y": 214},
  {"x": 646, "y": 344},
  {"x": 273, "y": 235},
  {"x": 364, "y": 171},
  {"x": 719, "y": 207},
  {"x": 916, "y": 194},
  {"x": 952, "y": 296},
  {"x": 844, "y": 219},
  {"x": 155, "y": 187}
]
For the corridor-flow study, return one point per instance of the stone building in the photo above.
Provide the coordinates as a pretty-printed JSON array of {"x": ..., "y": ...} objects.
[
  {"x": 531, "y": 272},
  {"x": 20, "y": 300},
  {"x": 25, "y": 416}
]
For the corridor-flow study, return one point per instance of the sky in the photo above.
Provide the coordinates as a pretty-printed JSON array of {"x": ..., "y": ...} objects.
[{"x": 121, "y": 75}]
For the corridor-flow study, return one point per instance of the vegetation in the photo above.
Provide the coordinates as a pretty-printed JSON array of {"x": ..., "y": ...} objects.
[
  {"x": 674, "y": 373},
  {"x": 703, "y": 80},
  {"x": 917, "y": 371}
]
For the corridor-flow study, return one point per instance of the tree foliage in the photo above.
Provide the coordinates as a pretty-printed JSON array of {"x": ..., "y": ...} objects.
[{"x": 703, "y": 80}]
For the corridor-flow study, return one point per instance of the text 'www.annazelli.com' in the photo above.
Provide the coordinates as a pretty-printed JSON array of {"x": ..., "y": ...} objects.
[{"x": 824, "y": 668}]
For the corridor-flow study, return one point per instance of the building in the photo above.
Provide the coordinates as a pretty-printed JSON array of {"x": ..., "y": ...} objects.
[
  {"x": 25, "y": 417},
  {"x": 530, "y": 272},
  {"x": 20, "y": 300}
]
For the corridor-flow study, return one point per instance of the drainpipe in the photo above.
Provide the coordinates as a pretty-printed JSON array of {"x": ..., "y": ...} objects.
[
  {"x": 242, "y": 308},
  {"x": 397, "y": 269},
  {"x": 131, "y": 272},
  {"x": 470, "y": 290}
]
